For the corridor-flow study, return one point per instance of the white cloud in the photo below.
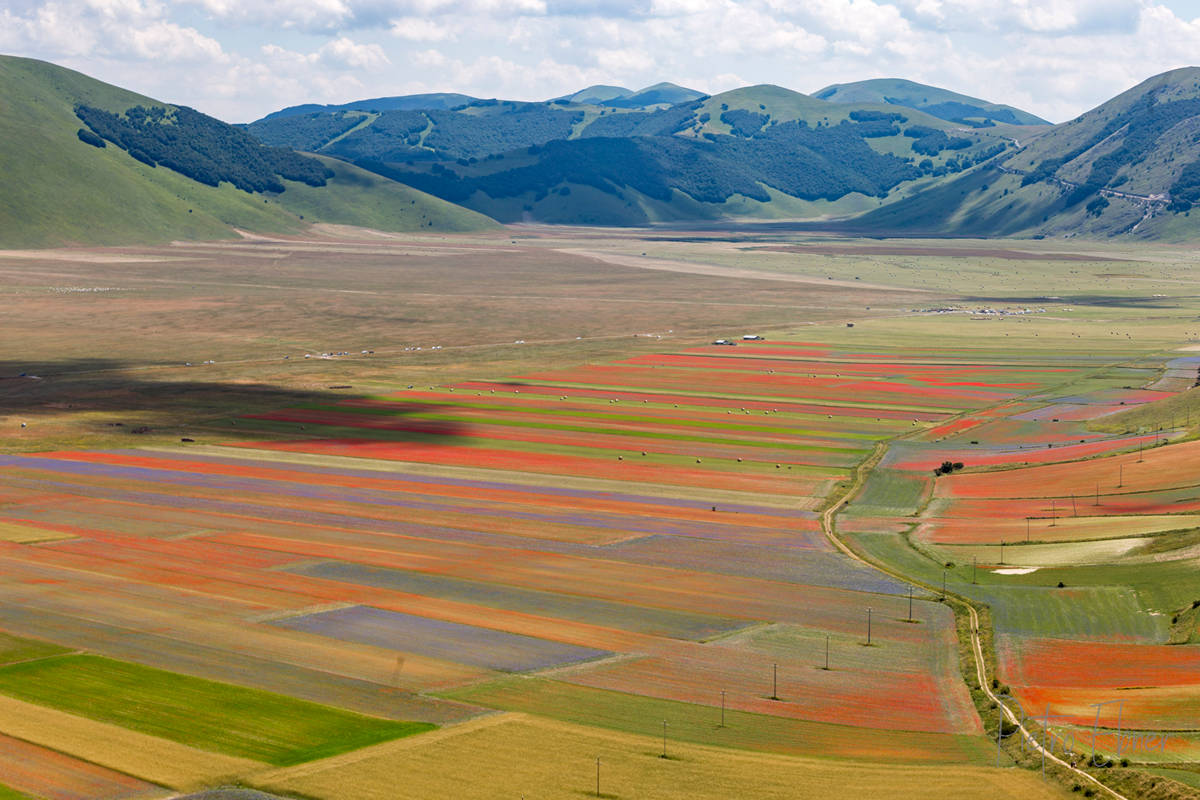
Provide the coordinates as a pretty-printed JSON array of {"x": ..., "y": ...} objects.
[
  {"x": 307, "y": 15},
  {"x": 419, "y": 29},
  {"x": 240, "y": 59},
  {"x": 343, "y": 53},
  {"x": 118, "y": 29}
]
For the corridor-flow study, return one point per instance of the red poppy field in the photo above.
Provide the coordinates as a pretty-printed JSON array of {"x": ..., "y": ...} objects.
[
  {"x": 604, "y": 544},
  {"x": 630, "y": 512}
]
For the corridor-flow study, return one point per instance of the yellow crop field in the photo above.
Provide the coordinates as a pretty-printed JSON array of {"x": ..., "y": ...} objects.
[
  {"x": 511, "y": 755},
  {"x": 148, "y": 757},
  {"x": 27, "y": 534}
]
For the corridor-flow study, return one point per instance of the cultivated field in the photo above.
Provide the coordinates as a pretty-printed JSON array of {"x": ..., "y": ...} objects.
[{"x": 542, "y": 513}]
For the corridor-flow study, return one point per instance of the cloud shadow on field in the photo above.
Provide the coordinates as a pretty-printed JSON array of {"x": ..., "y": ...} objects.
[{"x": 79, "y": 402}]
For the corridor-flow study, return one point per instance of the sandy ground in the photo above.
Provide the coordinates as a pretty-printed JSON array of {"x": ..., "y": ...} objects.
[
  {"x": 86, "y": 256},
  {"x": 693, "y": 268}
]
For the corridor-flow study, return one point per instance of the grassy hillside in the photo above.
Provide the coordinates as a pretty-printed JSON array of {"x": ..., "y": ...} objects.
[
  {"x": 597, "y": 94},
  {"x": 392, "y": 207},
  {"x": 941, "y": 103},
  {"x": 890, "y": 156},
  {"x": 59, "y": 190},
  {"x": 1128, "y": 167},
  {"x": 660, "y": 94},
  {"x": 375, "y": 104},
  {"x": 760, "y": 151}
]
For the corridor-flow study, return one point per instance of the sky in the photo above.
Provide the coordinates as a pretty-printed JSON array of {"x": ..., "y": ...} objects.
[{"x": 241, "y": 59}]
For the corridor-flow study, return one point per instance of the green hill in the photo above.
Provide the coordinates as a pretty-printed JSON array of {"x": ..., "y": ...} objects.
[
  {"x": 406, "y": 102},
  {"x": 59, "y": 189},
  {"x": 941, "y": 103},
  {"x": 759, "y": 151},
  {"x": 888, "y": 156},
  {"x": 660, "y": 94},
  {"x": 1129, "y": 166},
  {"x": 597, "y": 95}
]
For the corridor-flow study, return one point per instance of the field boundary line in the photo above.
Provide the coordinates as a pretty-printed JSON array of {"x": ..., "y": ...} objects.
[
  {"x": 486, "y": 720},
  {"x": 42, "y": 658},
  {"x": 120, "y": 749}
]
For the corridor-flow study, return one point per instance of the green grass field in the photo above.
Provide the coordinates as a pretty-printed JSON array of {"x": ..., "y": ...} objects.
[
  {"x": 11, "y": 794},
  {"x": 1108, "y": 612},
  {"x": 1096, "y": 602},
  {"x": 205, "y": 714},
  {"x": 14, "y": 649},
  {"x": 890, "y": 492}
]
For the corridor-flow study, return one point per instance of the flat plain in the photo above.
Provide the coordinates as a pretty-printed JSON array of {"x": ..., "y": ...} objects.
[{"x": 505, "y": 485}]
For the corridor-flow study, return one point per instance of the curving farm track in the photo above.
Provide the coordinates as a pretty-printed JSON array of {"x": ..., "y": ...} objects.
[{"x": 828, "y": 526}]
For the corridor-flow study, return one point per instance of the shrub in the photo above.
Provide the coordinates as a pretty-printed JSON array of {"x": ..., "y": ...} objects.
[
  {"x": 1097, "y": 206},
  {"x": 87, "y": 137}
]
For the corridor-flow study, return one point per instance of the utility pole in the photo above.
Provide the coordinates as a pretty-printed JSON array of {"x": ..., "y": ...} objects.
[
  {"x": 774, "y": 681},
  {"x": 1120, "y": 475},
  {"x": 1097, "y": 492},
  {"x": 827, "y": 652},
  {"x": 1053, "y": 513},
  {"x": 910, "y": 616},
  {"x": 1074, "y": 510},
  {"x": 974, "y": 567},
  {"x": 664, "y": 753},
  {"x": 943, "y": 583},
  {"x": 1001, "y": 551},
  {"x": 1026, "y": 530},
  {"x": 597, "y": 776},
  {"x": 396, "y": 673},
  {"x": 868, "y": 626},
  {"x": 722, "y": 708}
]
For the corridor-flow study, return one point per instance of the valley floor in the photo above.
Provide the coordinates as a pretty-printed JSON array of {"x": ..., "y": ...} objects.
[{"x": 489, "y": 515}]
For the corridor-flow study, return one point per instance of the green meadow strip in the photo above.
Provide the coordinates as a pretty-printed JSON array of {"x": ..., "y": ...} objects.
[
  {"x": 14, "y": 649},
  {"x": 8, "y": 793},
  {"x": 928, "y": 360},
  {"x": 743, "y": 398},
  {"x": 632, "y": 418},
  {"x": 641, "y": 434},
  {"x": 315, "y": 430},
  {"x": 205, "y": 714}
]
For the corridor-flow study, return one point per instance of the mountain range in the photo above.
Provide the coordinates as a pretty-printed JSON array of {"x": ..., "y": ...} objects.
[
  {"x": 606, "y": 156},
  {"x": 93, "y": 163}
]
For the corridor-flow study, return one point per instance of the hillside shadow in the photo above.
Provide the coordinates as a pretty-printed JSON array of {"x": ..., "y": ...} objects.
[{"x": 105, "y": 398}]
